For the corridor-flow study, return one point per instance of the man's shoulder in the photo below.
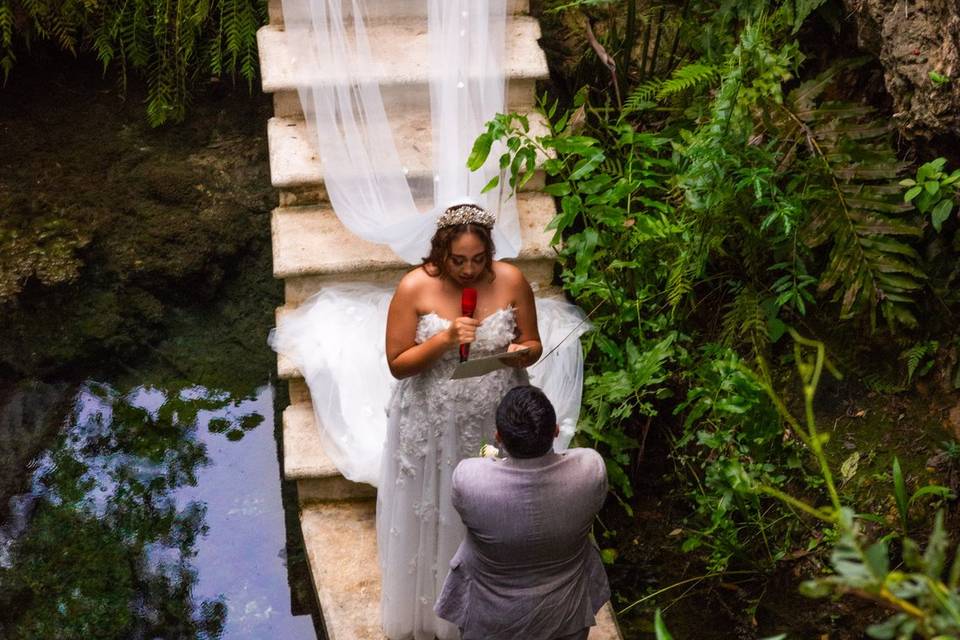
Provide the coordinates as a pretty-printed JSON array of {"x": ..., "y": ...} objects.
[
  {"x": 585, "y": 456},
  {"x": 470, "y": 469}
]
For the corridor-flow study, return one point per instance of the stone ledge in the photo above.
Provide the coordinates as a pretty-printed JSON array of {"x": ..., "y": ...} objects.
[
  {"x": 312, "y": 241},
  {"x": 305, "y": 462},
  {"x": 395, "y": 9},
  {"x": 295, "y": 164},
  {"x": 521, "y": 96},
  {"x": 341, "y": 544},
  {"x": 606, "y": 627},
  {"x": 399, "y": 46}
]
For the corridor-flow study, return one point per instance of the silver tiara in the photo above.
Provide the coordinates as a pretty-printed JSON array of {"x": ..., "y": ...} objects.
[{"x": 466, "y": 214}]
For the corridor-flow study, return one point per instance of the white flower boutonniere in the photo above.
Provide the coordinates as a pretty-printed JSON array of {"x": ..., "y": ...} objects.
[{"x": 489, "y": 451}]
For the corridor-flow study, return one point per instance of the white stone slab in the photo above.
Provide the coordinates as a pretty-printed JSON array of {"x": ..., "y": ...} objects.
[
  {"x": 312, "y": 241},
  {"x": 399, "y": 46},
  {"x": 295, "y": 163},
  {"x": 521, "y": 96},
  {"x": 341, "y": 544},
  {"x": 305, "y": 462},
  {"x": 386, "y": 9}
]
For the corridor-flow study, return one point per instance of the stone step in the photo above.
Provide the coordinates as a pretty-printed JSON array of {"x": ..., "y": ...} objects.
[
  {"x": 385, "y": 9},
  {"x": 400, "y": 47},
  {"x": 311, "y": 247},
  {"x": 296, "y": 169},
  {"x": 341, "y": 545},
  {"x": 305, "y": 462}
]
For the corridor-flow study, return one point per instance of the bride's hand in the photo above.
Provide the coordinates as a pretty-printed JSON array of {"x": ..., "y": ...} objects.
[
  {"x": 520, "y": 362},
  {"x": 462, "y": 331}
]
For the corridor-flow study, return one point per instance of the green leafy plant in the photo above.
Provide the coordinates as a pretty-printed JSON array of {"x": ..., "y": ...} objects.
[
  {"x": 731, "y": 432},
  {"x": 924, "y": 603},
  {"x": 933, "y": 191},
  {"x": 616, "y": 230},
  {"x": 855, "y": 210},
  {"x": 938, "y": 79},
  {"x": 925, "y": 597},
  {"x": 900, "y": 494}
]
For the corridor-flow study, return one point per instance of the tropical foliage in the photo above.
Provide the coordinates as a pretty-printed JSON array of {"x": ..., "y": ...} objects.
[
  {"x": 716, "y": 187},
  {"x": 170, "y": 44}
]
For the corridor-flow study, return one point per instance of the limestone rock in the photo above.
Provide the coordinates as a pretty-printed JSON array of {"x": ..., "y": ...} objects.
[{"x": 914, "y": 40}]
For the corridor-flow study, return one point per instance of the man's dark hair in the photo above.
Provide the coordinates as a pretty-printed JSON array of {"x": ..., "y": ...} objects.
[{"x": 526, "y": 422}]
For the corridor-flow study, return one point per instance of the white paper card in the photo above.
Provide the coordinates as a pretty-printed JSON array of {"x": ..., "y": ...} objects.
[{"x": 482, "y": 366}]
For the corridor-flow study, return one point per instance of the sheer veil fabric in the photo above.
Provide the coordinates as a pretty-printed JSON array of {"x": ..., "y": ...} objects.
[{"x": 360, "y": 95}]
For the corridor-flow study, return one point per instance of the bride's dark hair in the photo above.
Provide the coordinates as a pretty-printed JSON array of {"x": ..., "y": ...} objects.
[{"x": 443, "y": 239}]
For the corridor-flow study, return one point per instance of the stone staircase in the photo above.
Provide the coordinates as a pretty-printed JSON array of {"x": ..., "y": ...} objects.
[{"x": 311, "y": 248}]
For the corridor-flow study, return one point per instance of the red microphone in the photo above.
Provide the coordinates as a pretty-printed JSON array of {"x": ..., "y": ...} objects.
[{"x": 468, "y": 304}]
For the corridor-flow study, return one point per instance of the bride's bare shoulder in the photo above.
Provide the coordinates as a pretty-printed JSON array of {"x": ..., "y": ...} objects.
[
  {"x": 508, "y": 274},
  {"x": 415, "y": 283}
]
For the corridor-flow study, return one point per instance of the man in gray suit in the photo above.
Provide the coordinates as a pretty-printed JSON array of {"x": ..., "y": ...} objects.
[{"x": 527, "y": 569}]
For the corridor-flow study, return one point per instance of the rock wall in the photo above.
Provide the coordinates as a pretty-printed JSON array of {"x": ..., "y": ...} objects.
[{"x": 918, "y": 44}]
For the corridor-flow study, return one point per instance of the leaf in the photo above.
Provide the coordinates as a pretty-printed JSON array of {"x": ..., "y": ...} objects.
[
  {"x": 877, "y": 560},
  {"x": 557, "y": 189},
  {"x": 940, "y": 213},
  {"x": 936, "y": 552},
  {"x": 480, "y": 151},
  {"x": 849, "y": 467},
  {"x": 815, "y": 589},
  {"x": 931, "y": 490},
  {"x": 900, "y": 493},
  {"x": 585, "y": 166},
  {"x": 659, "y": 628},
  {"x": 494, "y": 181}
]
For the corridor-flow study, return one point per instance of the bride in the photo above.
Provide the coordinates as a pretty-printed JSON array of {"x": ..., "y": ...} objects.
[
  {"x": 434, "y": 422},
  {"x": 407, "y": 436}
]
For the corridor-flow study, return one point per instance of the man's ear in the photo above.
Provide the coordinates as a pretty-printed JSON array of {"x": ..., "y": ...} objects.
[
  {"x": 496, "y": 437},
  {"x": 556, "y": 432}
]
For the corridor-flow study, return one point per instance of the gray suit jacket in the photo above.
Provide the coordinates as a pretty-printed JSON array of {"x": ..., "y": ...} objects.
[{"x": 527, "y": 568}]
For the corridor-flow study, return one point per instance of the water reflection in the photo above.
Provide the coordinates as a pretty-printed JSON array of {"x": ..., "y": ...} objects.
[{"x": 156, "y": 514}]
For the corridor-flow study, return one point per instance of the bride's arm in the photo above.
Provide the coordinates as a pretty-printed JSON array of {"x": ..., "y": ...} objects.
[
  {"x": 529, "y": 334},
  {"x": 404, "y": 356}
]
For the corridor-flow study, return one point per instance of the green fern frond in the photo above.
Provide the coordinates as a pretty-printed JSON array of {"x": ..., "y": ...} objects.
[
  {"x": 642, "y": 95},
  {"x": 680, "y": 279},
  {"x": 917, "y": 355},
  {"x": 687, "y": 77},
  {"x": 858, "y": 213},
  {"x": 877, "y": 383},
  {"x": 7, "y": 57},
  {"x": 744, "y": 320}
]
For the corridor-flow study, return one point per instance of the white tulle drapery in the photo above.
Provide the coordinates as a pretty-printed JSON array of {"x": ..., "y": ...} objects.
[{"x": 361, "y": 94}]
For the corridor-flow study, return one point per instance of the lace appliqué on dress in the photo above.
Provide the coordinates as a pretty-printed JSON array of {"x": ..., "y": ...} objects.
[{"x": 430, "y": 403}]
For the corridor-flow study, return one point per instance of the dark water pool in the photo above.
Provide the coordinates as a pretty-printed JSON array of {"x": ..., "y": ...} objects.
[{"x": 153, "y": 512}]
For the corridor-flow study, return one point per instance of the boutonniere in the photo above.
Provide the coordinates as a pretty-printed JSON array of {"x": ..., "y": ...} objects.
[{"x": 489, "y": 451}]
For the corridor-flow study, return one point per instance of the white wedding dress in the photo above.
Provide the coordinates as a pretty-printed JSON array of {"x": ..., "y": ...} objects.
[{"x": 406, "y": 437}]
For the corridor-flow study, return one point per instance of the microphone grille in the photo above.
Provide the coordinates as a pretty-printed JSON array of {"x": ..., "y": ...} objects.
[{"x": 468, "y": 299}]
